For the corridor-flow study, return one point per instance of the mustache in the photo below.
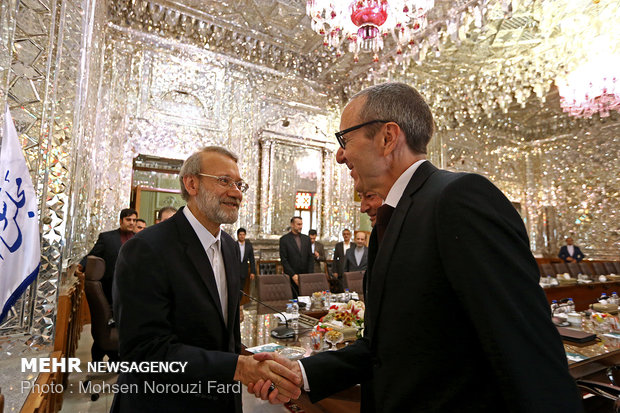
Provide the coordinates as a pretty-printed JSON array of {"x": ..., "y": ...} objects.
[{"x": 231, "y": 201}]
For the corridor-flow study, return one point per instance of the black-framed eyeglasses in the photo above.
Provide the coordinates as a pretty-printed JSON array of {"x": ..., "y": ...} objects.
[
  {"x": 339, "y": 135},
  {"x": 227, "y": 181}
]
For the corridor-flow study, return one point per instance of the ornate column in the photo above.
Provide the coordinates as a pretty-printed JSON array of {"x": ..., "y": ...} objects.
[
  {"x": 266, "y": 157},
  {"x": 326, "y": 220}
]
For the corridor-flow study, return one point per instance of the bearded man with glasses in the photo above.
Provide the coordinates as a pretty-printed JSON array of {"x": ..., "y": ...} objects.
[{"x": 177, "y": 299}]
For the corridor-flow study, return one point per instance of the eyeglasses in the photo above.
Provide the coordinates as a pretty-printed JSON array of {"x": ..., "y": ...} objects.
[
  {"x": 227, "y": 181},
  {"x": 339, "y": 135}
]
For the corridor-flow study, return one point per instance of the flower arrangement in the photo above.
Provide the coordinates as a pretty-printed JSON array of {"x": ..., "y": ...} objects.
[{"x": 347, "y": 318}]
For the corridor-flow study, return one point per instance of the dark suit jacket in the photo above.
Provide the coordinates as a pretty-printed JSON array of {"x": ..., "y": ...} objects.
[
  {"x": 339, "y": 256},
  {"x": 167, "y": 308},
  {"x": 577, "y": 254},
  {"x": 293, "y": 260},
  {"x": 318, "y": 247},
  {"x": 350, "y": 263},
  {"x": 107, "y": 246},
  {"x": 247, "y": 261},
  {"x": 455, "y": 318}
]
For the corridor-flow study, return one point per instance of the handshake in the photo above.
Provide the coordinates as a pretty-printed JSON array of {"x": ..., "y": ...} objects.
[{"x": 270, "y": 377}]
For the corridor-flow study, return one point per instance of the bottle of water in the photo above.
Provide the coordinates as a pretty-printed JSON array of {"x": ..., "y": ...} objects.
[
  {"x": 328, "y": 298},
  {"x": 295, "y": 314},
  {"x": 347, "y": 295},
  {"x": 615, "y": 300},
  {"x": 603, "y": 299},
  {"x": 570, "y": 306},
  {"x": 554, "y": 306}
]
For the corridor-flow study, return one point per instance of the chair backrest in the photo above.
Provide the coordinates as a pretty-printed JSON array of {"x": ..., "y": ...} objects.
[
  {"x": 599, "y": 268},
  {"x": 268, "y": 267},
  {"x": 354, "y": 281},
  {"x": 610, "y": 267},
  {"x": 585, "y": 268},
  {"x": 560, "y": 267},
  {"x": 617, "y": 265},
  {"x": 104, "y": 335},
  {"x": 547, "y": 269},
  {"x": 274, "y": 287},
  {"x": 573, "y": 269},
  {"x": 310, "y": 283}
]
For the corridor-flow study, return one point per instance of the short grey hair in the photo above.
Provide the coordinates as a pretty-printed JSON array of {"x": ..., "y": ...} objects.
[
  {"x": 400, "y": 103},
  {"x": 193, "y": 164}
]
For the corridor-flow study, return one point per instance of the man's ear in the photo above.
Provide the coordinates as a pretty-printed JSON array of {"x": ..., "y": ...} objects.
[
  {"x": 390, "y": 138},
  {"x": 191, "y": 183}
]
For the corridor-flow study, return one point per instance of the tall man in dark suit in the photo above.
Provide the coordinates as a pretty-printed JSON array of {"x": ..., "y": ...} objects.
[
  {"x": 107, "y": 246},
  {"x": 357, "y": 257},
  {"x": 177, "y": 300},
  {"x": 508, "y": 355},
  {"x": 570, "y": 252},
  {"x": 318, "y": 250},
  {"x": 246, "y": 252},
  {"x": 296, "y": 254},
  {"x": 340, "y": 250}
]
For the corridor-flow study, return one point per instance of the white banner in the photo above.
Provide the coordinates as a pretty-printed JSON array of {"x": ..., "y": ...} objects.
[{"x": 20, "y": 251}]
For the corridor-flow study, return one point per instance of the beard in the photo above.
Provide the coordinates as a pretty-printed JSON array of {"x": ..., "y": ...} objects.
[{"x": 210, "y": 205}]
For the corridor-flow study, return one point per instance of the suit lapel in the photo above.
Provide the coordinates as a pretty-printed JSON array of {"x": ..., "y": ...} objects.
[
  {"x": 199, "y": 258},
  {"x": 381, "y": 262}
]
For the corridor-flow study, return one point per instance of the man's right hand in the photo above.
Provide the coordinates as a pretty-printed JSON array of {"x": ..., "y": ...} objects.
[
  {"x": 296, "y": 279},
  {"x": 275, "y": 370},
  {"x": 261, "y": 389}
]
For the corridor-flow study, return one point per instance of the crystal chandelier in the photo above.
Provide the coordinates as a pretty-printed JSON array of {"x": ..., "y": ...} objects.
[
  {"x": 361, "y": 25},
  {"x": 591, "y": 88}
]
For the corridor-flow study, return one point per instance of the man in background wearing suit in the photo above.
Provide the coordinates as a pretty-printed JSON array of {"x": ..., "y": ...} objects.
[
  {"x": 246, "y": 252},
  {"x": 570, "y": 252},
  {"x": 357, "y": 258},
  {"x": 431, "y": 223},
  {"x": 318, "y": 250},
  {"x": 340, "y": 250},
  {"x": 296, "y": 254},
  {"x": 107, "y": 246},
  {"x": 177, "y": 299}
]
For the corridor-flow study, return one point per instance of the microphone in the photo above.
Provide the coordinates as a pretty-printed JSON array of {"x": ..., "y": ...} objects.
[{"x": 280, "y": 332}]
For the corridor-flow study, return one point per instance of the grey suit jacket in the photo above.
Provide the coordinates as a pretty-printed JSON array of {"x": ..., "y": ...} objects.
[{"x": 350, "y": 263}]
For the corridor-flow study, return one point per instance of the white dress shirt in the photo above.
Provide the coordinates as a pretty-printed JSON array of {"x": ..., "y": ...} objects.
[
  {"x": 396, "y": 191},
  {"x": 345, "y": 246},
  {"x": 359, "y": 253},
  {"x": 241, "y": 249},
  {"x": 571, "y": 249},
  {"x": 213, "y": 247}
]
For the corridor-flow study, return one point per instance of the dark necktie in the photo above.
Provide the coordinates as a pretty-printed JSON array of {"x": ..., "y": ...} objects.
[{"x": 384, "y": 213}]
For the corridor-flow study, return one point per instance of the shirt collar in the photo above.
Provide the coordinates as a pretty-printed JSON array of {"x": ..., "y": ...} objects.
[
  {"x": 397, "y": 190},
  {"x": 206, "y": 238}
]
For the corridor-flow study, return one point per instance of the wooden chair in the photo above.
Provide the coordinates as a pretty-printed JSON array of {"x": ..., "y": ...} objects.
[
  {"x": 610, "y": 267},
  {"x": 573, "y": 269},
  {"x": 274, "y": 287},
  {"x": 585, "y": 268},
  {"x": 599, "y": 268},
  {"x": 547, "y": 269},
  {"x": 310, "y": 283},
  {"x": 560, "y": 268},
  {"x": 269, "y": 267},
  {"x": 354, "y": 281}
]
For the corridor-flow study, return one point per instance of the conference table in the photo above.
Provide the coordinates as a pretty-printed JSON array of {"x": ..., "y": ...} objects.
[{"x": 586, "y": 361}]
